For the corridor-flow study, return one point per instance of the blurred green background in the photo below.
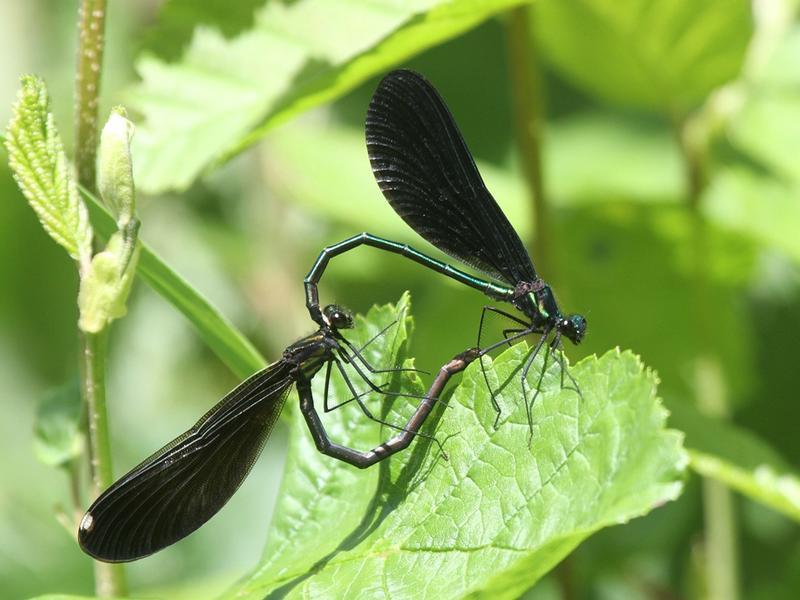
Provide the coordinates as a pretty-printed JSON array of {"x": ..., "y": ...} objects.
[{"x": 638, "y": 97}]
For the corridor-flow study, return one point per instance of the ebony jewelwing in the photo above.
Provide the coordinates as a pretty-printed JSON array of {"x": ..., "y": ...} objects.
[
  {"x": 181, "y": 486},
  {"x": 425, "y": 170}
]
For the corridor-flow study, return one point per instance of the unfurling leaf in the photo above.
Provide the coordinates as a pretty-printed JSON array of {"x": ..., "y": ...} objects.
[
  {"x": 114, "y": 167},
  {"x": 37, "y": 159},
  {"x": 107, "y": 283}
]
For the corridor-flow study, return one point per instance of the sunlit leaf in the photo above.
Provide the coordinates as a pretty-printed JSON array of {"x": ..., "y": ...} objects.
[
  {"x": 206, "y": 106},
  {"x": 114, "y": 167},
  {"x": 37, "y": 159},
  {"x": 665, "y": 55},
  {"x": 178, "y": 18},
  {"x": 105, "y": 286},
  {"x": 500, "y": 513},
  {"x": 758, "y": 206},
  {"x": 767, "y": 128}
]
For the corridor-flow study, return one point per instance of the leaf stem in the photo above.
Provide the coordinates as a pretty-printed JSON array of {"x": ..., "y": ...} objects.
[
  {"x": 91, "y": 33},
  {"x": 529, "y": 118},
  {"x": 109, "y": 579},
  {"x": 719, "y": 516},
  {"x": 721, "y": 554}
]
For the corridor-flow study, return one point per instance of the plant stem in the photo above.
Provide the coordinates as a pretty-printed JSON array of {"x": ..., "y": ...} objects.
[
  {"x": 109, "y": 579},
  {"x": 721, "y": 548},
  {"x": 91, "y": 27},
  {"x": 693, "y": 137},
  {"x": 528, "y": 117},
  {"x": 93, "y": 346},
  {"x": 721, "y": 554}
]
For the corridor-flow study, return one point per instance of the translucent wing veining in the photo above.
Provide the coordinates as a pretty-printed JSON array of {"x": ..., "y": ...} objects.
[
  {"x": 427, "y": 174},
  {"x": 180, "y": 487}
]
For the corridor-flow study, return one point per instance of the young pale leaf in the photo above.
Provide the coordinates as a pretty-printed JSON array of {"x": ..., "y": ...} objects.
[
  {"x": 494, "y": 518},
  {"x": 114, "y": 172},
  {"x": 221, "y": 336},
  {"x": 739, "y": 459},
  {"x": 40, "y": 167},
  {"x": 767, "y": 127},
  {"x": 761, "y": 207},
  {"x": 291, "y": 60},
  {"x": 665, "y": 55},
  {"x": 57, "y": 432},
  {"x": 107, "y": 283}
]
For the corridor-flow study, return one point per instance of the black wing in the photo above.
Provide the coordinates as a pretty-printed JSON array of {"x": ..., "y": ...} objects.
[
  {"x": 183, "y": 485},
  {"x": 426, "y": 172}
]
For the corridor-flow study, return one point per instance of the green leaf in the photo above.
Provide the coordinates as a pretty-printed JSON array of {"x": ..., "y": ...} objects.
[
  {"x": 767, "y": 127},
  {"x": 585, "y": 151},
  {"x": 57, "y": 431},
  {"x": 177, "y": 20},
  {"x": 218, "y": 333},
  {"x": 665, "y": 55},
  {"x": 738, "y": 458},
  {"x": 761, "y": 207},
  {"x": 107, "y": 283},
  {"x": 40, "y": 167},
  {"x": 225, "y": 95},
  {"x": 115, "y": 171},
  {"x": 505, "y": 508}
]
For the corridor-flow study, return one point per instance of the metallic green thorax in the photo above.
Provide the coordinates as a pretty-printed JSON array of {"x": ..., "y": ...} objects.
[{"x": 535, "y": 299}]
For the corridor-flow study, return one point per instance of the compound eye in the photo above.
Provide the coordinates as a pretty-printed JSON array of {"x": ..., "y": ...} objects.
[{"x": 338, "y": 317}]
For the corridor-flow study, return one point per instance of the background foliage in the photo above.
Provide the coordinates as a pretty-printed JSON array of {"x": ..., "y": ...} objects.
[{"x": 669, "y": 147}]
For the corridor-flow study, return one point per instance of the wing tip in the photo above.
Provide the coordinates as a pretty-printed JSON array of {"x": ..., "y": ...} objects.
[{"x": 90, "y": 542}]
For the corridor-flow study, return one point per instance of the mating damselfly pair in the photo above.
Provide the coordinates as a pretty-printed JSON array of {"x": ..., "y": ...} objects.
[{"x": 426, "y": 172}]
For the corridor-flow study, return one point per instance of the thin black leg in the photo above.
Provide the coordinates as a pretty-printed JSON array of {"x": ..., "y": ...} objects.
[
  {"x": 507, "y": 315},
  {"x": 506, "y": 340},
  {"x": 357, "y": 353},
  {"x": 493, "y": 399},
  {"x": 565, "y": 371},
  {"x": 357, "y": 397},
  {"x": 529, "y": 407},
  {"x": 536, "y": 350},
  {"x": 399, "y": 442},
  {"x": 327, "y": 387},
  {"x": 524, "y": 377},
  {"x": 377, "y": 335},
  {"x": 510, "y": 330},
  {"x": 375, "y": 388}
]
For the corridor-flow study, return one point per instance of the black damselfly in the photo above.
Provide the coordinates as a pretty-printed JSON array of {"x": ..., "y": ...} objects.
[
  {"x": 426, "y": 172},
  {"x": 181, "y": 486}
]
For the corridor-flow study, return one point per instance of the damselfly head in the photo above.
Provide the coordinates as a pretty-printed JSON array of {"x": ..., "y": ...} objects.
[
  {"x": 338, "y": 317},
  {"x": 573, "y": 328}
]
